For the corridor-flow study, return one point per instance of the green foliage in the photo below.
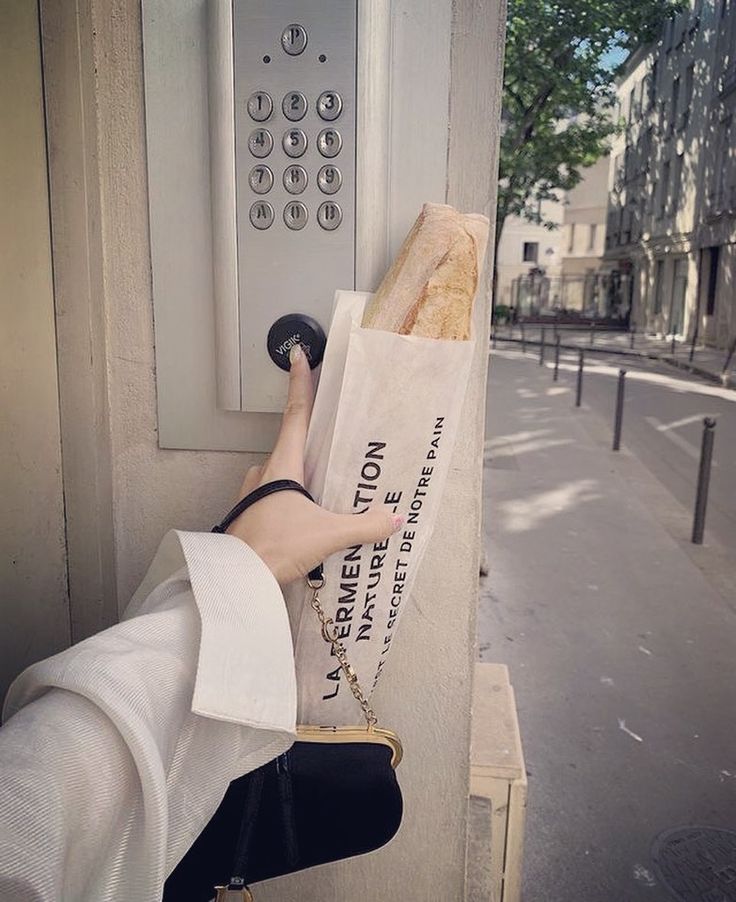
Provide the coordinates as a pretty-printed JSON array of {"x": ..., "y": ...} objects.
[{"x": 559, "y": 91}]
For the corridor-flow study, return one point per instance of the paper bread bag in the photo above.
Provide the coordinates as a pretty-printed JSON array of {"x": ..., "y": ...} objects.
[{"x": 385, "y": 420}]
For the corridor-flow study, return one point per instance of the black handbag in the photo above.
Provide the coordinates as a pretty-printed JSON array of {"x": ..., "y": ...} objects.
[{"x": 332, "y": 795}]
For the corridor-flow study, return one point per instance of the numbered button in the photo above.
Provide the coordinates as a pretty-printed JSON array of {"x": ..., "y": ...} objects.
[
  {"x": 295, "y": 179},
  {"x": 329, "y": 179},
  {"x": 260, "y": 142},
  {"x": 260, "y": 106},
  {"x": 261, "y": 215},
  {"x": 329, "y": 105},
  {"x": 329, "y": 142},
  {"x": 260, "y": 179},
  {"x": 294, "y": 142},
  {"x": 294, "y": 39},
  {"x": 294, "y": 106},
  {"x": 295, "y": 215},
  {"x": 329, "y": 215}
]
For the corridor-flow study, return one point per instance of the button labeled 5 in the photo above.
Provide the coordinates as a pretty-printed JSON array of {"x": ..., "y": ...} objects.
[{"x": 294, "y": 142}]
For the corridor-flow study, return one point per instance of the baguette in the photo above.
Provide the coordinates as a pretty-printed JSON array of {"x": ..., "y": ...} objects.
[{"x": 430, "y": 288}]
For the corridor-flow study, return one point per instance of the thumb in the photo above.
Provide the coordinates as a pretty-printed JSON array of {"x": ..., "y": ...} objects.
[{"x": 373, "y": 526}]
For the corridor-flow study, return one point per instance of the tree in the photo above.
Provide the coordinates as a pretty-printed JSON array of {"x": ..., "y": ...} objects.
[{"x": 559, "y": 92}]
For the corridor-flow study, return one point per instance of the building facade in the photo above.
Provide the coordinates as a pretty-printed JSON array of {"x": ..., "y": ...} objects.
[
  {"x": 671, "y": 222},
  {"x": 528, "y": 253},
  {"x": 549, "y": 270}
]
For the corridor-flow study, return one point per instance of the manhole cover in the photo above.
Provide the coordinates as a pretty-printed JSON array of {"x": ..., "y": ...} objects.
[{"x": 697, "y": 864}]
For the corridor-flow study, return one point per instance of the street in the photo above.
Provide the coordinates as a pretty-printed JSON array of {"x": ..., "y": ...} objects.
[
  {"x": 663, "y": 425},
  {"x": 619, "y": 639}
]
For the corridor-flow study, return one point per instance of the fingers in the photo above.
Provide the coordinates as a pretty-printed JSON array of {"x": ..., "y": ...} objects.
[
  {"x": 287, "y": 458},
  {"x": 360, "y": 529}
]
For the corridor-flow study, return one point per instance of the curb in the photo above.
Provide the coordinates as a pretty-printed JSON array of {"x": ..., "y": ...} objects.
[{"x": 724, "y": 381}]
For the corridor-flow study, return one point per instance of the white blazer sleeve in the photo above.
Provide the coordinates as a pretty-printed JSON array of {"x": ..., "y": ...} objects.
[{"x": 118, "y": 750}]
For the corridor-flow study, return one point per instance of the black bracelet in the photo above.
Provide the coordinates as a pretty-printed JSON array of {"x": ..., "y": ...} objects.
[{"x": 263, "y": 491}]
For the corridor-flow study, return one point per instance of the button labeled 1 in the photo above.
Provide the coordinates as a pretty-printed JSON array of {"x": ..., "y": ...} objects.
[{"x": 260, "y": 106}]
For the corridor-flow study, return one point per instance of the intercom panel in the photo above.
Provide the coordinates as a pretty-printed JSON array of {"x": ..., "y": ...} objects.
[
  {"x": 272, "y": 183},
  {"x": 292, "y": 105}
]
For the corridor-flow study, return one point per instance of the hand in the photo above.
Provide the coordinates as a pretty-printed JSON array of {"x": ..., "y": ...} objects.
[{"x": 290, "y": 533}]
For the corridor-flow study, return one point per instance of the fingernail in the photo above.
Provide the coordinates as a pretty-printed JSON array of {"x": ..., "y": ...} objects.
[
  {"x": 295, "y": 353},
  {"x": 397, "y": 522}
]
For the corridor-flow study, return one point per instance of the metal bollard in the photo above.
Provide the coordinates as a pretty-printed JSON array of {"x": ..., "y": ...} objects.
[
  {"x": 701, "y": 496},
  {"x": 556, "y": 373},
  {"x": 632, "y": 336},
  {"x": 617, "y": 423},
  {"x": 579, "y": 387},
  {"x": 541, "y": 347},
  {"x": 592, "y": 334},
  {"x": 674, "y": 347},
  {"x": 523, "y": 339},
  {"x": 692, "y": 345}
]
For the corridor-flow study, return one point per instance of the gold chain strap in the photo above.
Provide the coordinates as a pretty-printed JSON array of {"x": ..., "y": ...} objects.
[{"x": 329, "y": 634}]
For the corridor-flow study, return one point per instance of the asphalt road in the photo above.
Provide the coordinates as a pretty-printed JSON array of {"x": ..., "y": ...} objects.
[
  {"x": 663, "y": 425},
  {"x": 620, "y": 647}
]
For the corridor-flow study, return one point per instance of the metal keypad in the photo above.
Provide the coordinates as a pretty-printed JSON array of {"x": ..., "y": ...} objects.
[{"x": 295, "y": 119}]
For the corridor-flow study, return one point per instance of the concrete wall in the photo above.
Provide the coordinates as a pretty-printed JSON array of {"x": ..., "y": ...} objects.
[
  {"x": 425, "y": 695},
  {"x": 34, "y": 607}
]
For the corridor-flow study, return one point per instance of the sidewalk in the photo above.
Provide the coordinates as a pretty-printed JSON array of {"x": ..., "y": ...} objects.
[
  {"x": 706, "y": 362},
  {"x": 620, "y": 651}
]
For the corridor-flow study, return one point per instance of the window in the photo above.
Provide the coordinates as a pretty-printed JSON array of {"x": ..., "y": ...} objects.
[
  {"x": 715, "y": 253},
  {"x": 675, "y": 101},
  {"x": 632, "y": 104},
  {"x": 592, "y": 236},
  {"x": 664, "y": 189},
  {"x": 531, "y": 251},
  {"x": 571, "y": 239},
  {"x": 688, "y": 99},
  {"x": 653, "y": 85},
  {"x": 658, "y": 286},
  {"x": 677, "y": 191}
]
